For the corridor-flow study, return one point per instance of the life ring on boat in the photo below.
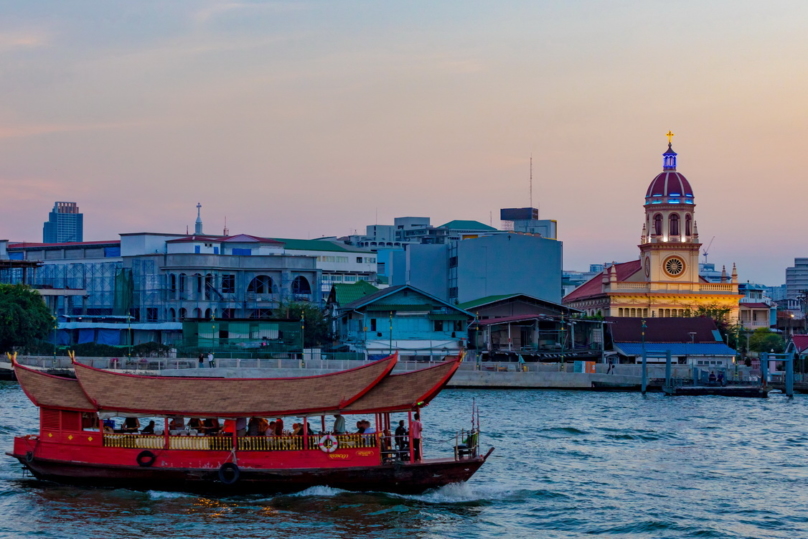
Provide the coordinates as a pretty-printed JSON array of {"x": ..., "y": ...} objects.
[
  {"x": 29, "y": 457},
  {"x": 146, "y": 459},
  {"x": 229, "y": 473},
  {"x": 328, "y": 443}
]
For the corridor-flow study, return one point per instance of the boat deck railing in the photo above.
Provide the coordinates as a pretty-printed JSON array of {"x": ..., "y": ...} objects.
[{"x": 244, "y": 443}]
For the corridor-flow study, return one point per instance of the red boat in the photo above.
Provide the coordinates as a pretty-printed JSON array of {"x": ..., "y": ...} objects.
[{"x": 74, "y": 445}]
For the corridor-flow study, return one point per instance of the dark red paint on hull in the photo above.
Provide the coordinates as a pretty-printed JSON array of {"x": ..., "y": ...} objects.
[{"x": 402, "y": 478}]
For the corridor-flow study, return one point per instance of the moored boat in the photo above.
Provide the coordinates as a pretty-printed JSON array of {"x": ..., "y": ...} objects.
[{"x": 74, "y": 445}]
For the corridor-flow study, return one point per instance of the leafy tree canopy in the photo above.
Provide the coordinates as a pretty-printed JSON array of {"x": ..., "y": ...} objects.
[
  {"x": 24, "y": 317},
  {"x": 765, "y": 340},
  {"x": 318, "y": 331}
]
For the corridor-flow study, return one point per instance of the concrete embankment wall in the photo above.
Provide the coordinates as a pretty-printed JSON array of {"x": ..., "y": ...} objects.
[{"x": 470, "y": 375}]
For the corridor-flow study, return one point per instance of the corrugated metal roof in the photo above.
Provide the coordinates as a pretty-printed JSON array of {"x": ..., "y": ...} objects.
[
  {"x": 676, "y": 348},
  {"x": 177, "y": 326},
  {"x": 346, "y": 293},
  {"x": 466, "y": 225},
  {"x": 317, "y": 245}
]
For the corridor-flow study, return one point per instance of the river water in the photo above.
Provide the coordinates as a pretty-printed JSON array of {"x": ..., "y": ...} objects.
[{"x": 567, "y": 464}]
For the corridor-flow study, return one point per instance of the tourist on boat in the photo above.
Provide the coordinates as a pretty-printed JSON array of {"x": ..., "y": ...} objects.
[
  {"x": 297, "y": 429},
  {"x": 257, "y": 426},
  {"x": 196, "y": 424},
  {"x": 229, "y": 427},
  {"x": 339, "y": 424},
  {"x": 109, "y": 426},
  {"x": 401, "y": 431},
  {"x": 177, "y": 424},
  {"x": 360, "y": 427},
  {"x": 271, "y": 430},
  {"x": 212, "y": 426},
  {"x": 149, "y": 428},
  {"x": 279, "y": 427},
  {"x": 415, "y": 431},
  {"x": 241, "y": 427},
  {"x": 712, "y": 378},
  {"x": 131, "y": 424},
  {"x": 369, "y": 429}
]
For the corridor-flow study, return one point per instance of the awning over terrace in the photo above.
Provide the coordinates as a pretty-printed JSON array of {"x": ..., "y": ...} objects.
[{"x": 230, "y": 397}]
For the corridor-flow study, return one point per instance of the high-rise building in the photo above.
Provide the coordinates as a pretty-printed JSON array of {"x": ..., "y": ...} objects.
[{"x": 65, "y": 224}]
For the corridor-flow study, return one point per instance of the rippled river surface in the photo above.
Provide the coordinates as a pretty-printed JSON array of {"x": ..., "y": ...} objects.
[{"x": 567, "y": 464}]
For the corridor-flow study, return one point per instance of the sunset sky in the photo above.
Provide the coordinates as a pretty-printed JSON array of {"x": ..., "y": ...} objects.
[{"x": 306, "y": 118}]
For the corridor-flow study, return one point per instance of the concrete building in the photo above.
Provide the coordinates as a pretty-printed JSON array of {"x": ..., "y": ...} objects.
[
  {"x": 756, "y": 309},
  {"x": 64, "y": 224},
  {"x": 664, "y": 281},
  {"x": 797, "y": 279},
  {"x": 464, "y": 270},
  {"x": 526, "y": 221}
]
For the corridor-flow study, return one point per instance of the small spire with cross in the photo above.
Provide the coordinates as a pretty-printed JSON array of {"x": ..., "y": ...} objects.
[{"x": 670, "y": 136}]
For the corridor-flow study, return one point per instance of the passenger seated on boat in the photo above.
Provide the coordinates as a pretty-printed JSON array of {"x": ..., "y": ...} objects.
[
  {"x": 297, "y": 429},
  {"x": 271, "y": 429},
  {"x": 212, "y": 426},
  {"x": 257, "y": 427},
  {"x": 360, "y": 427},
  {"x": 279, "y": 427},
  {"x": 109, "y": 426},
  {"x": 149, "y": 428},
  {"x": 241, "y": 427},
  {"x": 176, "y": 424},
  {"x": 131, "y": 424},
  {"x": 469, "y": 446},
  {"x": 369, "y": 429},
  {"x": 196, "y": 424},
  {"x": 229, "y": 427}
]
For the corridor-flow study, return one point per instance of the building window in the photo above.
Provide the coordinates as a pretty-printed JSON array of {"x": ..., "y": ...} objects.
[
  {"x": 151, "y": 314},
  {"x": 301, "y": 286},
  {"x": 620, "y": 312},
  {"x": 372, "y": 324},
  {"x": 172, "y": 282},
  {"x": 657, "y": 225},
  {"x": 228, "y": 284},
  {"x": 216, "y": 250},
  {"x": 197, "y": 249},
  {"x": 262, "y": 284},
  {"x": 183, "y": 313},
  {"x": 674, "y": 225},
  {"x": 358, "y": 259},
  {"x": 453, "y": 292},
  {"x": 438, "y": 325},
  {"x": 453, "y": 262},
  {"x": 688, "y": 223}
]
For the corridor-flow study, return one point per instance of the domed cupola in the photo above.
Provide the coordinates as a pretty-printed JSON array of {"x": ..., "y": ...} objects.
[{"x": 669, "y": 187}]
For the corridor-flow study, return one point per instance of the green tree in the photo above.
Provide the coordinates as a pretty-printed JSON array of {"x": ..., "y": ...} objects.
[
  {"x": 318, "y": 329},
  {"x": 24, "y": 317},
  {"x": 765, "y": 340}
]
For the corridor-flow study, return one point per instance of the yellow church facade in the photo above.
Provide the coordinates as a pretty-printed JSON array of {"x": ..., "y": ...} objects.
[{"x": 664, "y": 281}]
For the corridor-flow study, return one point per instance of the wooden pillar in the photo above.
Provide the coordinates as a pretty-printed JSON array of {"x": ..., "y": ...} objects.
[
  {"x": 166, "y": 441},
  {"x": 409, "y": 437}
]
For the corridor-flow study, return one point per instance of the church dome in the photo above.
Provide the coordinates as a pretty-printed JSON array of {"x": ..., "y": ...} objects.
[{"x": 670, "y": 184}]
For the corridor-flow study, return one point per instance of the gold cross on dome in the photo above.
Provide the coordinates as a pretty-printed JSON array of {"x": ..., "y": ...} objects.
[{"x": 670, "y": 136}]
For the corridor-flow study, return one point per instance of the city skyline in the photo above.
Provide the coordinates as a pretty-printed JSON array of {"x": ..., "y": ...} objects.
[{"x": 306, "y": 119}]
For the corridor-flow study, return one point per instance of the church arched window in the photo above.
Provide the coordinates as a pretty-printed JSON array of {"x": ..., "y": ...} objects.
[
  {"x": 674, "y": 225},
  {"x": 688, "y": 227},
  {"x": 657, "y": 225}
]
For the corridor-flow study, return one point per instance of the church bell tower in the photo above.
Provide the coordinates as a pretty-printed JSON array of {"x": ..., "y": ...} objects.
[{"x": 669, "y": 248}]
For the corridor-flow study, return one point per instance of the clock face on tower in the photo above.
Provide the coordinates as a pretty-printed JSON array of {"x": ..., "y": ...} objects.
[{"x": 674, "y": 266}]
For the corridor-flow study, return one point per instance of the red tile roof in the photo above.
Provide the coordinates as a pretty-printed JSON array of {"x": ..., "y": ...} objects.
[
  {"x": 800, "y": 342},
  {"x": 670, "y": 330},
  {"x": 593, "y": 286},
  {"x": 754, "y": 305}
]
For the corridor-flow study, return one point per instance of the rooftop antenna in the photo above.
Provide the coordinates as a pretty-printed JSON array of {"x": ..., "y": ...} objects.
[
  {"x": 706, "y": 251},
  {"x": 491, "y": 218},
  {"x": 226, "y": 232},
  {"x": 186, "y": 230},
  {"x": 531, "y": 180}
]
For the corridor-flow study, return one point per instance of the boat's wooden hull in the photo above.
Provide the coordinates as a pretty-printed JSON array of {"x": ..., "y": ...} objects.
[{"x": 398, "y": 477}]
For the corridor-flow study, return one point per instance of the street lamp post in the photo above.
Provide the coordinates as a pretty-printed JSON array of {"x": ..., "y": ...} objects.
[{"x": 129, "y": 333}]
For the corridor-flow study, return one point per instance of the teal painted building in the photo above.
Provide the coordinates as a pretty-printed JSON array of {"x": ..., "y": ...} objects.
[{"x": 404, "y": 319}]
